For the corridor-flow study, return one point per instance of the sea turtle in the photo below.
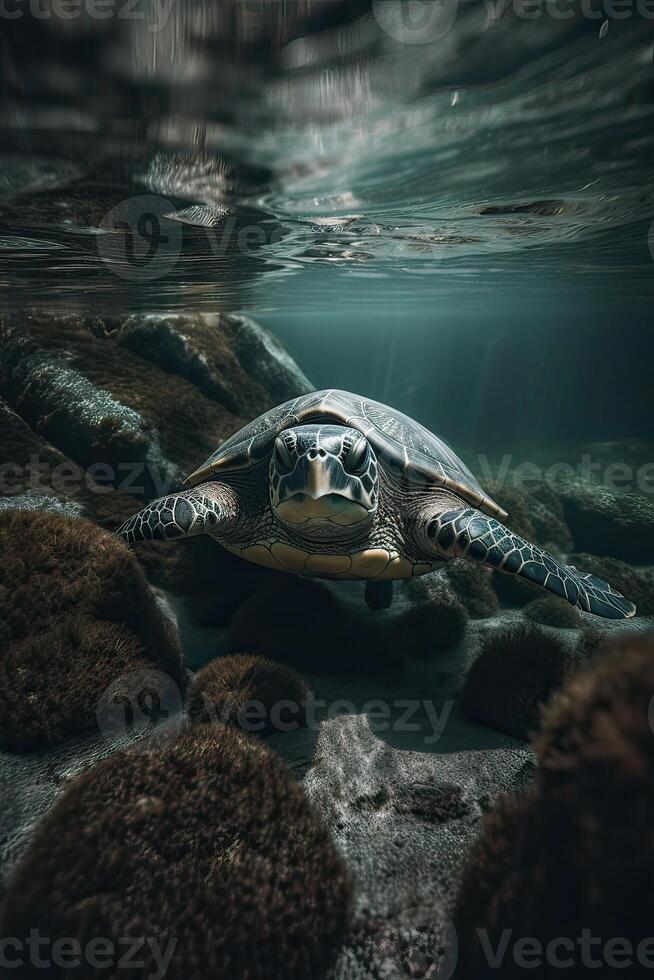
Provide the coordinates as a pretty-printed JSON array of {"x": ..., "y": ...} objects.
[{"x": 338, "y": 486}]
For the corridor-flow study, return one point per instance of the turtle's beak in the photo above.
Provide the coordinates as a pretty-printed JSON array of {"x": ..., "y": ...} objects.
[{"x": 320, "y": 490}]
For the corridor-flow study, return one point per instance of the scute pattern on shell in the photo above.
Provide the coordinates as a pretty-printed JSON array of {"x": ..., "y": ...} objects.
[{"x": 412, "y": 450}]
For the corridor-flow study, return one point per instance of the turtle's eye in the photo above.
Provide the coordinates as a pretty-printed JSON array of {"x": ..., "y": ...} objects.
[
  {"x": 283, "y": 459},
  {"x": 357, "y": 458}
]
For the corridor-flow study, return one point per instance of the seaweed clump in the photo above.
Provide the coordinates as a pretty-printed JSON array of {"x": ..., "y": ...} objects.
[
  {"x": 77, "y": 614},
  {"x": 518, "y": 669},
  {"x": 206, "y": 845},
  {"x": 574, "y": 857},
  {"x": 253, "y": 693}
]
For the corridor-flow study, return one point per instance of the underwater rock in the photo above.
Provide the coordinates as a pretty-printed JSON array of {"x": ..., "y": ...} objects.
[
  {"x": 552, "y": 611},
  {"x": 78, "y": 614},
  {"x": 159, "y": 404},
  {"x": 609, "y": 522},
  {"x": 537, "y": 514},
  {"x": 252, "y": 693},
  {"x": 229, "y": 358},
  {"x": 83, "y": 419},
  {"x": 36, "y": 476},
  {"x": 206, "y": 839},
  {"x": 436, "y": 625},
  {"x": 517, "y": 670},
  {"x": 473, "y": 586},
  {"x": 576, "y": 855},
  {"x": 106, "y": 426},
  {"x": 302, "y": 622},
  {"x": 377, "y": 948}
]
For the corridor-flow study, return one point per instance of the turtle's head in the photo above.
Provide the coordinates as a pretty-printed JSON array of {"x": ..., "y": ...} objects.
[{"x": 323, "y": 478}]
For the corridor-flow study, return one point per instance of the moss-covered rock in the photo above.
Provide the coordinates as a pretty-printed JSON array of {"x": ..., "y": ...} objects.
[
  {"x": 518, "y": 668},
  {"x": 301, "y": 621},
  {"x": 77, "y": 614},
  {"x": 205, "y": 845},
  {"x": 609, "y": 522},
  {"x": 252, "y": 693},
  {"x": 576, "y": 855},
  {"x": 461, "y": 581},
  {"x": 432, "y": 627},
  {"x": 472, "y": 584},
  {"x": 129, "y": 409},
  {"x": 553, "y": 611}
]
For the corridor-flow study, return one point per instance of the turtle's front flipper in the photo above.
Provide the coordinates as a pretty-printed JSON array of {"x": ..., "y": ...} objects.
[
  {"x": 207, "y": 509},
  {"x": 468, "y": 533}
]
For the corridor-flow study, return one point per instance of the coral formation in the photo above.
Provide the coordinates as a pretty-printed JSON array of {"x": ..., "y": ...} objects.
[
  {"x": 576, "y": 855},
  {"x": 207, "y": 840},
  {"x": 78, "y": 613},
  {"x": 252, "y": 693},
  {"x": 518, "y": 668},
  {"x": 552, "y": 611}
]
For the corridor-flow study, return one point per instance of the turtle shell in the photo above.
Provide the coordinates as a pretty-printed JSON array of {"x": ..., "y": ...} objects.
[{"x": 410, "y": 451}]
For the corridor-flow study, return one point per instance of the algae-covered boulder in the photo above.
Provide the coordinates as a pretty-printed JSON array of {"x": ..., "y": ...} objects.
[
  {"x": 99, "y": 414},
  {"x": 77, "y": 615},
  {"x": 158, "y": 393},
  {"x": 553, "y": 611},
  {"x": 252, "y": 693},
  {"x": 518, "y": 668},
  {"x": 574, "y": 857},
  {"x": 604, "y": 521},
  {"x": 203, "y": 850},
  {"x": 436, "y": 623}
]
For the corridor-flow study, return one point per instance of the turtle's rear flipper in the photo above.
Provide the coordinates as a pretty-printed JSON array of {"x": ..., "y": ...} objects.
[
  {"x": 206, "y": 509},
  {"x": 468, "y": 533}
]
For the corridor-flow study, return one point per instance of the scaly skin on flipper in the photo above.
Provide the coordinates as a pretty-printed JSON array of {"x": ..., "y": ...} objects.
[
  {"x": 205, "y": 509},
  {"x": 467, "y": 533}
]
